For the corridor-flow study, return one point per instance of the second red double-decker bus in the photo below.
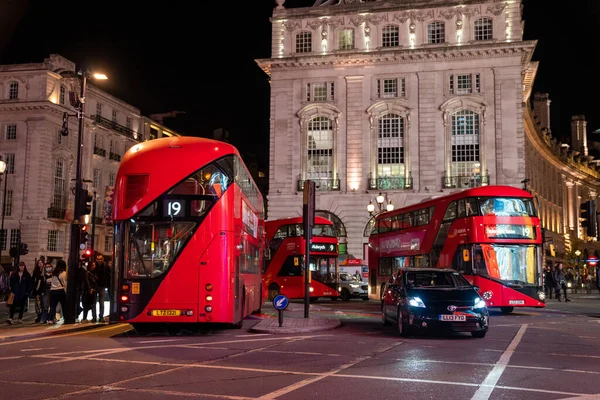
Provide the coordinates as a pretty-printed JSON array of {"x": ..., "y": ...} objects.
[
  {"x": 189, "y": 234},
  {"x": 490, "y": 234},
  {"x": 283, "y": 271}
]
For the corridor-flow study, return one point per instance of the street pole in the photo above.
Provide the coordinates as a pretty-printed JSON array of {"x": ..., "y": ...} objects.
[
  {"x": 308, "y": 219},
  {"x": 4, "y": 239},
  {"x": 92, "y": 241},
  {"x": 70, "y": 312}
]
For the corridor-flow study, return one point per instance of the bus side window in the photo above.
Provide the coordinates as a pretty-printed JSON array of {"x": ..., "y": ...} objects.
[
  {"x": 461, "y": 209},
  {"x": 450, "y": 212},
  {"x": 290, "y": 267}
]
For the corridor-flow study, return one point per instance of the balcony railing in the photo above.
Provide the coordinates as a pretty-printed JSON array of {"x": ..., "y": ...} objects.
[
  {"x": 56, "y": 213},
  {"x": 123, "y": 130},
  {"x": 467, "y": 181},
  {"x": 390, "y": 182},
  {"x": 321, "y": 184},
  {"x": 99, "y": 151},
  {"x": 115, "y": 156}
]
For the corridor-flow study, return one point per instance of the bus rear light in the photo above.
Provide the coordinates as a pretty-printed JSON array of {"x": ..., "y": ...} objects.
[
  {"x": 121, "y": 317},
  {"x": 208, "y": 308},
  {"x": 208, "y": 297},
  {"x": 189, "y": 313},
  {"x": 208, "y": 317},
  {"x": 208, "y": 287},
  {"x": 125, "y": 287},
  {"x": 124, "y": 298},
  {"x": 124, "y": 309}
]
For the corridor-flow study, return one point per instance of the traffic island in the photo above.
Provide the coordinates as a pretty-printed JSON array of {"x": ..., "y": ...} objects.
[{"x": 296, "y": 325}]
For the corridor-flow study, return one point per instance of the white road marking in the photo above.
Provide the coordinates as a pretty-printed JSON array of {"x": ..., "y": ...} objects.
[
  {"x": 256, "y": 334},
  {"x": 39, "y": 348},
  {"x": 160, "y": 341},
  {"x": 60, "y": 335},
  {"x": 306, "y": 353},
  {"x": 486, "y": 388}
]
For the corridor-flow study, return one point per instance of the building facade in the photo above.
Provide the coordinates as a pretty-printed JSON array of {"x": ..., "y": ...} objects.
[
  {"x": 411, "y": 99},
  {"x": 38, "y": 206}
]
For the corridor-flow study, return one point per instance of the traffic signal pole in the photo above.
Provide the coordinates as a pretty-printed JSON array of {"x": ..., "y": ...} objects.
[
  {"x": 70, "y": 311},
  {"x": 93, "y": 238}
]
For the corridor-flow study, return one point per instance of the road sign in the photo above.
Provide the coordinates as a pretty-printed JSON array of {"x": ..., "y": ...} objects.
[{"x": 280, "y": 302}]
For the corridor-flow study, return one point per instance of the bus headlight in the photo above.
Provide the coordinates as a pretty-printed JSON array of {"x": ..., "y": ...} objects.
[
  {"x": 311, "y": 289},
  {"x": 542, "y": 296},
  {"x": 487, "y": 295}
]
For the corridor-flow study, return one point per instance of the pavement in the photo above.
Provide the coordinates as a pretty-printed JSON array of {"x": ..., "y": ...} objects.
[{"x": 30, "y": 329}]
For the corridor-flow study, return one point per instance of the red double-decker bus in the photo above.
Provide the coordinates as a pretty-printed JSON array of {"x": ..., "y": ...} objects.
[
  {"x": 490, "y": 234},
  {"x": 282, "y": 272},
  {"x": 189, "y": 234}
]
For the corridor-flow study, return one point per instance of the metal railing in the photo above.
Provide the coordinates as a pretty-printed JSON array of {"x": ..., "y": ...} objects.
[
  {"x": 467, "y": 181},
  {"x": 390, "y": 182},
  {"x": 99, "y": 151},
  {"x": 115, "y": 156},
  {"x": 56, "y": 213},
  {"x": 123, "y": 130},
  {"x": 321, "y": 184}
]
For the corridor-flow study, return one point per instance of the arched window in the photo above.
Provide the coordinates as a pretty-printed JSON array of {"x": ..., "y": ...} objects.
[
  {"x": 483, "y": 29},
  {"x": 390, "y": 151},
  {"x": 436, "y": 32},
  {"x": 346, "y": 39},
  {"x": 59, "y": 196},
  {"x": 13, "y": 90},
  {"x": 320, "y": 152},
  {"x": 337, "y": 222},
  {"x": 465, "y": 144},
  {"x": 303, "y": 42},
  {"x": 390, "y": 36},
  {"x": 369, "y": 227}
]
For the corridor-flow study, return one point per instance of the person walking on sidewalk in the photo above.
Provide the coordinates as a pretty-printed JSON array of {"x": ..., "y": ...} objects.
[
  {"x": 20, "y": 285},
  {"x": 89, "y": 293},
  {"x": 39, "y": 289},
  {"x": 549, "y": 285},
  {"x": 103, "y": 280},
  {"x": 58, "y": 289},
  {"x": 559, "y": 278}
]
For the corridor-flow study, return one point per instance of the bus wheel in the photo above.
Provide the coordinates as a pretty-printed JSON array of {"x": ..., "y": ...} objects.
[
  {"x": 239, "y": 324},
  {"x": 259, "y": 309},
  {"x": 314, "y": 299},
  {"x": 506, "y": 310},
  {"x": 273, "y": 291},
  {"x": 345, "y": 295}
]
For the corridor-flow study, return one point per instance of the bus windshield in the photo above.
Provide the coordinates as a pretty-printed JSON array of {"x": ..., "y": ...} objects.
[
  {"x": 513, "y": 264},
  {"x": 507, "y": 207}
]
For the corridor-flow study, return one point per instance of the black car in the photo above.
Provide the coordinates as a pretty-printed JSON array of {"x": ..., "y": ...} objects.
[{"x": 434, "y": 299}]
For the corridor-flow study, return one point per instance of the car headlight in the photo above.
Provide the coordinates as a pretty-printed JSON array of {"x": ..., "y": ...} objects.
[
  {"x": 487, "y": 295},
  {"x": 542, "y": 296},
  {"x": 355, "y": 286},
  {"x": 416, "y": 302},
  {"x": 479, "y": 303}
]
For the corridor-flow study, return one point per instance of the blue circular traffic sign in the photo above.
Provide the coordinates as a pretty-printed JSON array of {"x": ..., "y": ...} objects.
[{"x": 280, "y": 302}]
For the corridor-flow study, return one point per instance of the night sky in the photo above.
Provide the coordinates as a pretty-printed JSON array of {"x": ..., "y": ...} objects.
[{"x": 198, "y": 57}]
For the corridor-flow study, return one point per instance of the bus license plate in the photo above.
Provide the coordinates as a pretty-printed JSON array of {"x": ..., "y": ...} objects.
[
  {"x": 446, "y": 317},
  {"x": 516, "y": 302},
  {"x": 166, "y": 313}
]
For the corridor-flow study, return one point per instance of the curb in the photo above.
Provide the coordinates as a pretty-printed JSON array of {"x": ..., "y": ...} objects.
[
  {"x": 52, "y": 333},
  {"x": 272, "y": 326}
]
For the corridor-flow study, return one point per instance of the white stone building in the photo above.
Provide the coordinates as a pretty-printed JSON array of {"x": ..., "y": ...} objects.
[
  {"x": 409, "y": 98},
  {"x": 41, "y": 162}
]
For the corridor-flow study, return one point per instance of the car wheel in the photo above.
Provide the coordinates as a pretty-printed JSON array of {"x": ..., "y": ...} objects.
[
  {"x": 506, "y": 310},
  {"x": 479, "y": 334},
  {"x": 384, "y": 319},
  {"x": 403, "y": 328},
  {"x": 345, "y": 295}
]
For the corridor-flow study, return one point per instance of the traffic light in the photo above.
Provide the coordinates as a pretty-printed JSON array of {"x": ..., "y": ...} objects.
[
  {"x": 588, "y": 218},
  {"x": 87, "y": 254},
  {"x": 83, "y": 236},
  {"x": 23, "y": 250},
  {"x": 85, "y": 202}
]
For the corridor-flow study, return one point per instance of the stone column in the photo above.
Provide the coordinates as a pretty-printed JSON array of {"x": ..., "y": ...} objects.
[
  {"x": 577, "y": 204},
  {"x": 570, "y": 209}
]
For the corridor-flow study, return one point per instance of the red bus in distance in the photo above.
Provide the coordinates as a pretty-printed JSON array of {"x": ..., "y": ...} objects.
[
  {"x": 282, "y": 272},
  {"x": 490, "y": 234},
  {"x": 189, "y": 234}
]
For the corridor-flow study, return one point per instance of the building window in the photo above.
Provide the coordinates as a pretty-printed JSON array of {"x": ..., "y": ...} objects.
[
  {"x": 320, "y": 149},
  {"x": 304, "y": 42},
  {"x": 323, "y": 91},
  {"x": 59, "y": 136},
  {"x": 465, "y": 84},
  {"x": 114, "y": 116},
  {"x": 9, "y": 159},
  {"x": 465, "y": 144},
  {"x": 59, "y": 196},
  {"x": 62, "y": 98},
  {"x": 436, "y": 32},
  {"x": 7, "y": 207},
  {"x": 99, "y": 109},
  {"x": 391, "y": 87},
  {"x": 390, "y": 36},
  {"x": 13, "y": 90},
  {"x": 107, "y": 244},
  {"x": 96, "y": 178},
  {"x": 483, "y": 29},
  {"x": 10, "y": 132},
  {"x": 15, "y": 238},
  {"x": 111, "y": 179},
  {"x": 3, "y": 239},
  {"x": 390, "y": 146},
  {"x": 346, "y": 39},
  {"x": 128, "y": 122},
  {"x": 54, "y": 240}
]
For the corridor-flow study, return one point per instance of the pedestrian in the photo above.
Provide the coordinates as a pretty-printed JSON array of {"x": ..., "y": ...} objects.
[
  {"x": 39, "y": 289},
  {"x": 20, "y": 285},
  {"x": 102, "y": 273},
  {"x": 89, "y": 293},
  {"x": 549, "y": 283},
  {"x": 58, "y": 290},
  {"x": 559, "y": 278}
]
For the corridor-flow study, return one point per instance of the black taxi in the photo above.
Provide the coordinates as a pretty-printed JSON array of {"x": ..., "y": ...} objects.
[{"x": 433, "y": 299}]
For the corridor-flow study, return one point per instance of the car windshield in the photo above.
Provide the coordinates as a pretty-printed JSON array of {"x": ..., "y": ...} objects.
[
  {"x": 347, "y": 277},
  {"x": 435, "y": 279}
]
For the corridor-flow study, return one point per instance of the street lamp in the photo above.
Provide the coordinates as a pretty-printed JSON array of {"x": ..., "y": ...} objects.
[
  {"x": 2, "y": 235},
  {"x": 577, "y": 254},
  {"x": 71, "y": 303},
  {"x": 380, "y": 200}
]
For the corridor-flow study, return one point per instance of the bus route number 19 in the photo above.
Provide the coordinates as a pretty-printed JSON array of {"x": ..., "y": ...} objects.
[{"x": 174, "y": 208}]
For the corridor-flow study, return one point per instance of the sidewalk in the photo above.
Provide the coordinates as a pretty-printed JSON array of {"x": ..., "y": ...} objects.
[
  {"x": 29, "y": 329},
  {"x": 294, "y": 321}
]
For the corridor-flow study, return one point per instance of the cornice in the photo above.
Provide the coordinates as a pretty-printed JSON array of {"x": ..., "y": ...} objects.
[{"x": 430, "y": 54}]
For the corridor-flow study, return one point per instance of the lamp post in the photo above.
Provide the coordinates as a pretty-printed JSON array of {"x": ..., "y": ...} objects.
[
  {"x": 71, "y": 303},
  {"x": 379, "y": 200},
  {"x": 3, "y": 237},
  {"x": 577, "y": 254}
]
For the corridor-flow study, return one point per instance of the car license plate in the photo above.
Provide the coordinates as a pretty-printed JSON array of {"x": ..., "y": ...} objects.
[
  {"x": 166, "y": 313},
  {"x": 447, "y": 317},
  {"x": 326, "y": 293},
  {"x": 516, "y": 302}
]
